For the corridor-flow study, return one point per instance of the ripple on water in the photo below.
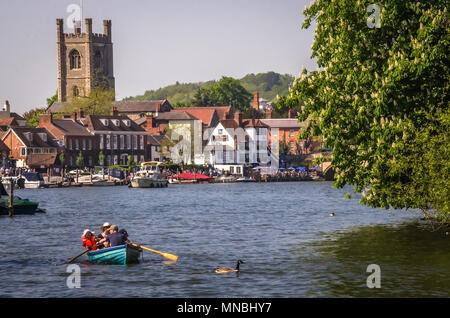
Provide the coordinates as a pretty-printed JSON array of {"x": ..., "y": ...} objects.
[{"x": 282, "y": 230}]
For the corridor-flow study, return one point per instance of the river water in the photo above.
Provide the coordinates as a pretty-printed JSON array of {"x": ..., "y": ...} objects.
[{"x": 283, "y": 231}]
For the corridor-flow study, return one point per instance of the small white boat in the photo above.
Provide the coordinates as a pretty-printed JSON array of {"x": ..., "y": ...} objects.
[
  {"x": 243, "y": 179},
  {"x": 229, "y": 179},
  {"x": 173, "y": 180},
  {"x": 28, "y": 180},
  {"x": 149, "y": 176}
]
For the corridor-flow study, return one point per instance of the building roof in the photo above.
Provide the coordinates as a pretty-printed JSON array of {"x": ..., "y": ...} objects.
[
  {"x": 71, "y": 128},
  {"x": 253, "y": 123},
  {"x": 56, "y": 107},
  {"x": 155, "y": 140},
  {"x": 142, "y": 106},
  {"x": 176, "y": 116},
  {"x": 24, "y": 133},
  {"x": 16, "y": 116},
  {"x": 10, "y": 121},
  {"x": 107, "y": 123},
  {"x": 283, "y": 123},
  {"x": 207, "y": 115}
]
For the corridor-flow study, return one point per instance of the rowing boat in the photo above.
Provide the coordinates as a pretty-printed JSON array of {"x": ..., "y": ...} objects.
[
  {"x": 118, "y": 255},
  {"x": 21, "y": 206}
]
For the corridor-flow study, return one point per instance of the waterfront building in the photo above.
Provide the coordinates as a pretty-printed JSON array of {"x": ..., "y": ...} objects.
[
  {"x": 31, "y": 147},
  {"x": 118, "y": 137},
  {"x": 73, "y": 136},
  {"x": 237, "y": 143},
  {"x": 286, "y": 130}
]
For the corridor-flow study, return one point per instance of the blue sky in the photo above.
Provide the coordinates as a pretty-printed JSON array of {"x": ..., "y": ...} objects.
[{"x": 156, "y": 43}]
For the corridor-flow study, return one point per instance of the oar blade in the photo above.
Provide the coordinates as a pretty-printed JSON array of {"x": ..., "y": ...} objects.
[{"x": 170, "y": 256}]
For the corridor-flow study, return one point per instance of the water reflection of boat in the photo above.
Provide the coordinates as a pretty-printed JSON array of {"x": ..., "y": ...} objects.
[
  {"x": 149, "y": 176},
  {"x": 118, "y": 255}
]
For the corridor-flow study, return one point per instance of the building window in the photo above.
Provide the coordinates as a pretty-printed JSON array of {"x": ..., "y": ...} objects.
[
  {"x": 142, "y": 142},
  {"x": 292, "y": 146},
  {"x": 77, "y": 144},
  {"x": 84, "y": 144},
  {"x": 108, "y": 141},
  {"x": 116, "y": 159},
  {"x": 90, "y": 144},
  {"x": 232, "y": 170},
  {"x": 101, "y": 142},
  {"x": 70, "y": 144},
  {"x": 75, "y": 60},
  {"x": 108, "y": 160},
  {"x": 220, "y": 131},
  {"x": 238, "y": 170},
  {"x": 75, "y": 91},
  {"x": 23, "y": 151},
  {"x": 128, "y": 142},
  {"x": 142, "y": 159},
  {"x": 135, "y": 141},
  {"x": 115, "y": 141},
  {"x": 291, "y": 132},
  {"x": 122, "y": 142}
]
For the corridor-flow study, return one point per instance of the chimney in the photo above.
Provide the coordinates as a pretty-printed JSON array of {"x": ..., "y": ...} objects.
[
  {"x": 256, "y": 101},
  {"x": 7, "y": 107},
  {"x": 291, "y": 113},
  {"x": 45, "y": 119},
  {"x": 73, "y": 116},
  {"x": 268, "y": 114},
  {"x": 80, "y": 113},
  {"x": 149, "y": 121},
  {"x": 114, "y": 111},
  {"x": 238, "y": 117}
]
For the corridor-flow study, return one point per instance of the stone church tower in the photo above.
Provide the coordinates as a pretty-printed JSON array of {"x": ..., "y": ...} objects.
[{"x": 85, "y": 60}]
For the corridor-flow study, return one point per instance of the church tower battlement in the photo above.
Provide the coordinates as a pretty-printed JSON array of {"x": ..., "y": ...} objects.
[{"x": 85, "y": 60}]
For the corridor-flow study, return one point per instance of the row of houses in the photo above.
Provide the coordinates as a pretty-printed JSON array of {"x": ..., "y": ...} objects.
[{"x": 215, "y": 135}]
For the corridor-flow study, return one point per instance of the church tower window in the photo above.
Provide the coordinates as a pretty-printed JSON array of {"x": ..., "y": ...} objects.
[{"x": 75, "y": 60}]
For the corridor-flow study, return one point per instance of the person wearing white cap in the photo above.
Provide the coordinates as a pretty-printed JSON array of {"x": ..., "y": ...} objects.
[{"x": 104, "y": 233}]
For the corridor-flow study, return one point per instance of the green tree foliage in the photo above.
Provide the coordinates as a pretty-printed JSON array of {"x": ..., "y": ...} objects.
[
  {"x": 98, "y": 102},
  {"x": 80, "y": 159},
  {"x": 380, "y": 99},
  {"x": 52, "y": 99},
  {"x": 229, "y": 91},
  {"x": 269, "y": 85},
  {"x": 32, "y": 116}
]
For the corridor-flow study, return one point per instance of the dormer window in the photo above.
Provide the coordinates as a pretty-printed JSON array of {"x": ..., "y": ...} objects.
[
  {"x": 127, "y": 122},
  {"x": 29, "y": 136},
  {"x": 43, "y": 136},
  {"x": 105, "y": 122},
  {"x": 116, "y": 122}
]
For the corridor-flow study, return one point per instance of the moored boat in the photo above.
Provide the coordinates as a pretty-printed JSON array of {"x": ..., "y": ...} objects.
[
  {"x": 118, "y": 255},
  {"x": 21, "y": 206},
  {"x": 149, "y": 176}
]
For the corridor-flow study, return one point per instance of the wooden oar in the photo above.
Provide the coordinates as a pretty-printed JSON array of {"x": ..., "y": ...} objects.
[
  {"x": 70, "y": 261},
  {"x": 166, "y": 255}
]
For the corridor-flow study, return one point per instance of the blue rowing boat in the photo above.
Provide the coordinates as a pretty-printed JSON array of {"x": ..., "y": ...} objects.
[{"x": 118, "y": 255}]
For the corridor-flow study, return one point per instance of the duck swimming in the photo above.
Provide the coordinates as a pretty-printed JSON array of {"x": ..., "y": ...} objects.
[{"x": 224, "y": 270}]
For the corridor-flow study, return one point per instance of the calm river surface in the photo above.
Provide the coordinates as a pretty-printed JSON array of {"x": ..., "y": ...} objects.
[{"x": 291, "y": 247}]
